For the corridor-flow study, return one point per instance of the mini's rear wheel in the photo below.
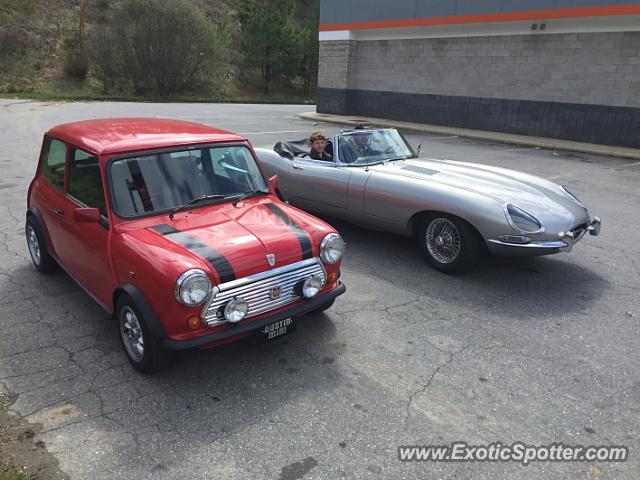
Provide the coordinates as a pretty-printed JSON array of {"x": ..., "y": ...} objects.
[
  {"x": 144, "y": 351},
  {"x": 38, "y": 248}
]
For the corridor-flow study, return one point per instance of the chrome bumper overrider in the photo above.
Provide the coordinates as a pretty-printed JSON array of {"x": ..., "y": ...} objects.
[{"x": 565, "y": 242}]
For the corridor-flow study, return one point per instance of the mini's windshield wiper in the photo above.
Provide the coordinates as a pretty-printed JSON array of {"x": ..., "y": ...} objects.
[
  {"x": 193, "y": 201},
  {"x": 246, "y": 195}
]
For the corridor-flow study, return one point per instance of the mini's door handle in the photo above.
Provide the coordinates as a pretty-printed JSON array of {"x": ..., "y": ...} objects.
[
  {"x": 59, "y": 213},
  {"x": 297, "y": 167}
]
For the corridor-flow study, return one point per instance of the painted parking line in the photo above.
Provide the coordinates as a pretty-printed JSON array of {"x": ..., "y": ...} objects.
[
  {"x": 634, "y": 164},
  {"x": 270, "y": 133}
]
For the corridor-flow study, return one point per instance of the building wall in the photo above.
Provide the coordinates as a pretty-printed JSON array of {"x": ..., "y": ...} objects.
[
  {"x": 573, "y": 68},
  {"x": 350, "y": 11},
  {"x": 556, "y": 83}
]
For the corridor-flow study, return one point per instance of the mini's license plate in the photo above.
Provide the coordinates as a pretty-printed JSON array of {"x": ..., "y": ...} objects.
[{"x": 276, "y": 329}]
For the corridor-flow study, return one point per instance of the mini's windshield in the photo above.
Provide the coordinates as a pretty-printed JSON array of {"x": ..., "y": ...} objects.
[
  {"x": 366, "y": 147},
  {"x": 153, "y": 183}
]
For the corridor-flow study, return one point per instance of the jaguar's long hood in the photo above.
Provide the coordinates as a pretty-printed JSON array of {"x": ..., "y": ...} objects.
[
  {"x": 534, "y": 194},
  {"x": 233, "y": 242}
]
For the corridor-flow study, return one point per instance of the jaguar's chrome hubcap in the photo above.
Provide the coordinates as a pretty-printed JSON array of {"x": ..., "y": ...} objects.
[
  {"x": 443, "y": 240},
  {"x": 34, "y": 245},
  {"x": 131, "y": 333}
]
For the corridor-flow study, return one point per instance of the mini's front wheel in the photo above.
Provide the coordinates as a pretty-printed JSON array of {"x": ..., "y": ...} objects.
[{"x": 144, "y": 351}]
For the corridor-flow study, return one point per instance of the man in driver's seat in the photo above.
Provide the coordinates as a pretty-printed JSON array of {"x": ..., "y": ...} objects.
[{"x": 362, "y": 145}]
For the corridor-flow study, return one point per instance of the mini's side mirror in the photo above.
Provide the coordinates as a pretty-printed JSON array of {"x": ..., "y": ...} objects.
[
  {"x": 87, "y": 215},
  {"x": 273, "y": 184},
  {"x": 419, "y": 152}
]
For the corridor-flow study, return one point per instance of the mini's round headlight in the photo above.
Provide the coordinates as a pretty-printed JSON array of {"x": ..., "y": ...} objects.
[
  {"x": 236, "y": 310},
  {"x": 312, "y": 286},
  {"x": 192, "y": 288},
  {"x": 332, "y": 248}
]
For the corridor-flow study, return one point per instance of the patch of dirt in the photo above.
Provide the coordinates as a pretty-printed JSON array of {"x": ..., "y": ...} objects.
[{"x": 20, "y": 451}]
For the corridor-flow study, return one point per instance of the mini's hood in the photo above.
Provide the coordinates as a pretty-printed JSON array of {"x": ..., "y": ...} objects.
[
  {"x": 534, "y": 194},
  {"x": 233, "y": 242}
]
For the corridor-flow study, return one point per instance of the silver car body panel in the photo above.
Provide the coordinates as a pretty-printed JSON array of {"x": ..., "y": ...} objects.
[{"x": 391, "y": 196}]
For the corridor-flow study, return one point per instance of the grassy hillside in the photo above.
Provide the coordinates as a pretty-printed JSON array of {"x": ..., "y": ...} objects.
[{"x": 35, "y": 36}]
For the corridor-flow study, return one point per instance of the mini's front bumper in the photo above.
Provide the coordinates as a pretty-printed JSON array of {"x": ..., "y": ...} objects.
[
  {"x": 565, "y": 242},
  {"x": 233, "y": 330}
]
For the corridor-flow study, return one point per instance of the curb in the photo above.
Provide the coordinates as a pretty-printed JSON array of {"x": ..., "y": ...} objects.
[{"x": 549, "y": 143}]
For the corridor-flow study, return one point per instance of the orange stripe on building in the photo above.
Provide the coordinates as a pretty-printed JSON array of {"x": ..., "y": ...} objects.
[{"x": 549, "y": 14}]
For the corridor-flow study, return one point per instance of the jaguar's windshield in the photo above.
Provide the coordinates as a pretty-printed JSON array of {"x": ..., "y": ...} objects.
[
  {"x": 158, "y": 182},
  {"x": 367, "y": 147}
]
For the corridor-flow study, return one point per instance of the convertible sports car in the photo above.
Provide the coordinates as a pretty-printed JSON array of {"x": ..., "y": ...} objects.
[{"x": 375, "y": 179}]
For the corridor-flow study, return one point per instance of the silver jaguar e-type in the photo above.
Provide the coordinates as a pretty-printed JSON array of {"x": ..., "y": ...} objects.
[{"x": 375, "y": 179}]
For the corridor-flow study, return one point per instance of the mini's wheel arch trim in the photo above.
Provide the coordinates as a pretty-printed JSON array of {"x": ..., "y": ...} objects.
[
  {"x": 34, "y": 213},
  {"x": 143, "y": 306}
]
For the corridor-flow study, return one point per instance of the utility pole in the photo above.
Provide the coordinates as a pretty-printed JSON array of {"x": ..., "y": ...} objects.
[{"x": 83, "y": 9}]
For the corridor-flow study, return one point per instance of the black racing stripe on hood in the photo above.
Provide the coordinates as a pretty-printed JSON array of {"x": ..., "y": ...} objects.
[
  {"x": 215, "y": 258},
  {"x": 303, "y": 238}
]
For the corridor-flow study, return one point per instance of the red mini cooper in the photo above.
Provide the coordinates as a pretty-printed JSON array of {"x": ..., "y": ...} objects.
[{"x": 171, "y": 226}]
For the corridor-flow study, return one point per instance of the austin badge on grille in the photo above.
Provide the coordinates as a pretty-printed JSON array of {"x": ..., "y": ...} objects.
[
  {"x": 271, "y": 258},
  {"x": 275, "y": 293}
]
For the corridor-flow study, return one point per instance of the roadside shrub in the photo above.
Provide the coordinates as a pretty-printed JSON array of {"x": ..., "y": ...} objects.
[
  {"x": 76, "y": 61},
  {"x": 161, "y": 47},
  {"x": 106, "y": 61}
]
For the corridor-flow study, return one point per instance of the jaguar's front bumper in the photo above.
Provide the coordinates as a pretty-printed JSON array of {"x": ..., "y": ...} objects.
[{"x": 564, "y": 243}]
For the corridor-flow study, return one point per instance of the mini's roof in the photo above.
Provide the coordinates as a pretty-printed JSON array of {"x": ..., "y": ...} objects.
[{"x": 119, "y": 135}]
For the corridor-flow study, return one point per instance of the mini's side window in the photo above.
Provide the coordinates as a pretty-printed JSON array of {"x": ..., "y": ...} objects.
[
  {"x": 53, "y": 164},
  {"x": 85, "y": 181}
]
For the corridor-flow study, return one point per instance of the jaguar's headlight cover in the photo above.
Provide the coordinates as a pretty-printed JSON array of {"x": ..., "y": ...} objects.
[
  {"x": 522, "y": 221},
  {"x": 572, "y": 196},
  {"x": 332, "y": 249},
  {"x": 192, "y": 288}
]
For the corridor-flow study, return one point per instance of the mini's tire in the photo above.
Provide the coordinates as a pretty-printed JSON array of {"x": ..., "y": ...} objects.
[
  {"x": 450, "y": 244},
  {"x": 144, "y": 351},
  {"x": 38, "y": 247}
]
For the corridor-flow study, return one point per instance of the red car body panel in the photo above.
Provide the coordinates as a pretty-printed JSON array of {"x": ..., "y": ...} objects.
[
  {"x": 121, "y": 135},
  {"x": 151, "y": 253}
]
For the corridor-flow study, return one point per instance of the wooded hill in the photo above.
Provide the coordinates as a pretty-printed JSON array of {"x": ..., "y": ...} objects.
[{"x": 217, "y": 49}]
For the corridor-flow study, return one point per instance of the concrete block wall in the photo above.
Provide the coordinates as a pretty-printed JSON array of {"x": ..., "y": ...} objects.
[
  {"x": 590, "y": 68},
  {"x": 577, "y": 86}
]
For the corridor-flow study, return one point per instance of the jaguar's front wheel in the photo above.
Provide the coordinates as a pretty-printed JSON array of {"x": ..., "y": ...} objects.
[{"x": 449, "y": 243}]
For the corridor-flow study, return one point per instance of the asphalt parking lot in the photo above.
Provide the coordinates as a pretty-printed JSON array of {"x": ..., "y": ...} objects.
[{"x": 541, "y": 350}]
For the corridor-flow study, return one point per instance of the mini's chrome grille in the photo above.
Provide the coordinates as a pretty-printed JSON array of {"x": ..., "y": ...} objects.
[{"x": 256, "y": 290}]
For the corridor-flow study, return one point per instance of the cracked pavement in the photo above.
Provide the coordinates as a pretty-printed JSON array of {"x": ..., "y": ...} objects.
[{"x": 538, "y": 350}]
